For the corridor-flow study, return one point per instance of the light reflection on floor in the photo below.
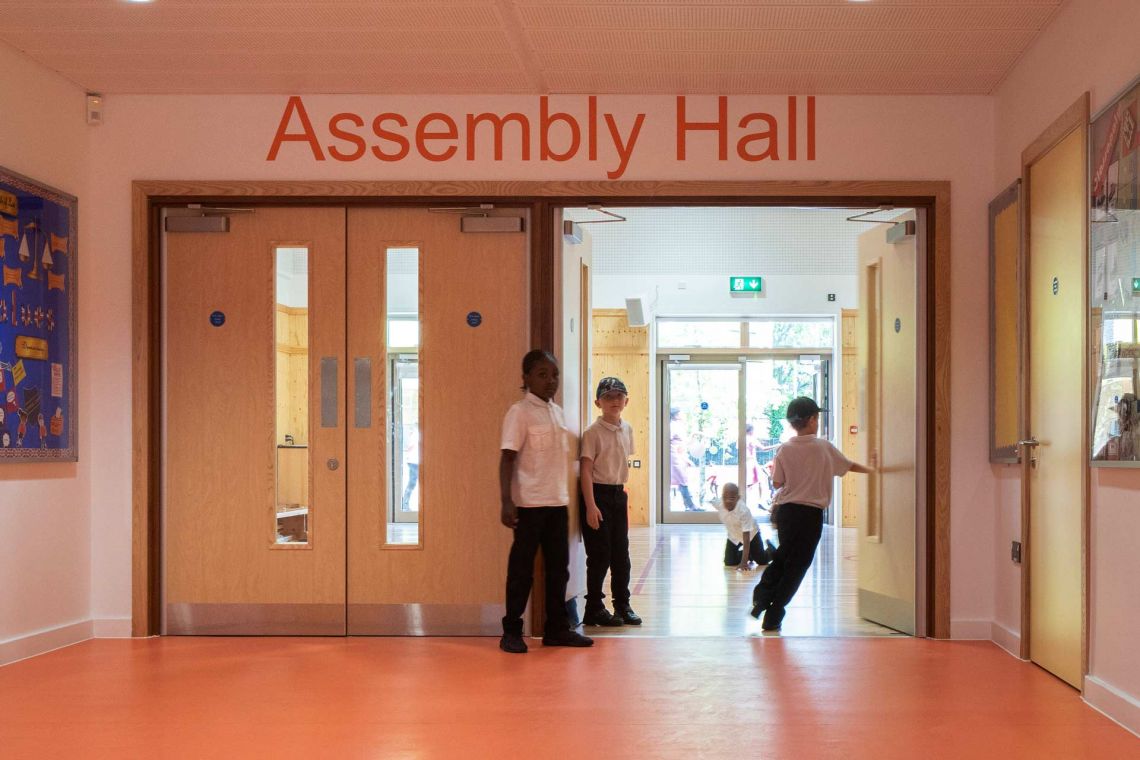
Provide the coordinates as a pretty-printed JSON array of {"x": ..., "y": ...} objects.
[{"x": 681, "y": 587}]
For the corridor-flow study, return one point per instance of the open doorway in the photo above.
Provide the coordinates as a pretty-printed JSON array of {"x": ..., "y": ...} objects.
[{"x": 722, "y": 315}]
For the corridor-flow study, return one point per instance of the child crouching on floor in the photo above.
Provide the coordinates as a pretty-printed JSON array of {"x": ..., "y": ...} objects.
[{"x": 742, "y": 531}]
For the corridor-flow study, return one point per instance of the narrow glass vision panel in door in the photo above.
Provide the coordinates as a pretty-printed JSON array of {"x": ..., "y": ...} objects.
[
  {"x": 291, "y": 319},
  {"x": 403, "y": 506}
]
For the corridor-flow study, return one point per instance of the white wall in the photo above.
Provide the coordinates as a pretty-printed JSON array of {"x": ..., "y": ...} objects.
[
  {"x": 1090, "y": 45},
  {"x": 45, "y": 565},
  {"x": 227, "y": 137}
]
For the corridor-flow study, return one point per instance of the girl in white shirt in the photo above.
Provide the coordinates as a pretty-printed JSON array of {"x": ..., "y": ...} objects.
[{"x": 533, "y": 477}]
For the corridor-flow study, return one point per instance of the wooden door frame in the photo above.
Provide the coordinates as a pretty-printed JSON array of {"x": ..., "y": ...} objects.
[
  {"x": 149, "y": 196},
  {"x": 1075, "y": 117}
]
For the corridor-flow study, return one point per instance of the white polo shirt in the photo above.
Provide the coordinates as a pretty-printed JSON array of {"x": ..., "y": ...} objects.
[
  {"x": 737, "y": 522},
  {"x": 610, "y": 447},
  {"x": 536, "y": 429},
  {"x": 807, "y": 466}
]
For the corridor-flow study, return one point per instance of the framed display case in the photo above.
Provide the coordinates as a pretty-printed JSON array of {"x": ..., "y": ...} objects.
[
  {"x": 38, "y": 235},
  {"x": 1114, "y": 282},
  {"x": 1005, "y": 324}
]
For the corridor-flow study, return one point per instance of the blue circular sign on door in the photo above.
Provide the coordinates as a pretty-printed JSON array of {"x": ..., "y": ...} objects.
[
  {"x": 704, "y": 406},
  {"x": 474, "y": 319},
  {"x": 218, "y": 318}
]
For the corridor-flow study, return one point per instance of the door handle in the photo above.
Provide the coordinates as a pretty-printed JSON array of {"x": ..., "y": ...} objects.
[
  {"x": 1029, "y": 442},
  {"x": 329, "y": 400},
  {"x": 362, "y": 366}
]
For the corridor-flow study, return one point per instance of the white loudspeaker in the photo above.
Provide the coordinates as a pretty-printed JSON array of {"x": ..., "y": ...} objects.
[
  {"x": 94, "y": 109},
  {"x": 636, "y": 312}
]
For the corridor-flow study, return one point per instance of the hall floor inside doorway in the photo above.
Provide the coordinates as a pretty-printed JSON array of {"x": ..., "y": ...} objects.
[{"x": 681, "y": 587}]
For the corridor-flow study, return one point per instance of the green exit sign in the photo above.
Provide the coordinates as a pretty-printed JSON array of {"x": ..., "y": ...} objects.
[
  {"x": 745, "y": 284},
  {"x": 1136, "y": 286}
]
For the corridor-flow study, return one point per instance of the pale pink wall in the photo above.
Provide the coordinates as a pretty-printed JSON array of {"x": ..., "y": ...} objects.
[
  {"x": 45, "y": 563},
  {"x": 180, "y": 137},
  {"x": 1091, "y": 45}
]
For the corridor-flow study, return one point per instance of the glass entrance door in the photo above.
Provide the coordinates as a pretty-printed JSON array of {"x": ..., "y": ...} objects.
[
  {"x": 702, "y": 437},
  {"x": 723, "y": 420},
  {"x": 770, "y": 384}
]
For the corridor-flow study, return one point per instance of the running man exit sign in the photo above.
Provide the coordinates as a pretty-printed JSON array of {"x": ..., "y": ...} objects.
[
  {"x": 745, "y": 284},
  {"x": 1136, "y": 286}
]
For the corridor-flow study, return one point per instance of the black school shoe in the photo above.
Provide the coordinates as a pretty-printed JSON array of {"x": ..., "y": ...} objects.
[
  {"x": 512, "y": 643},
  {"x": 601, "y": 617},
  {"x": 627, "y": 615},
  {"x": 771, "y": 550},
  {"x": 772, "y": 620},
  {"x": 566, "y": 638},
  {"x": 760, "y": 602}
]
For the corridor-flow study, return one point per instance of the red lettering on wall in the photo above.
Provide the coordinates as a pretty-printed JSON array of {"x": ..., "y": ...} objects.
[
  {"x": 624, "y": 150},
  {"x": 498, "y": 122},
  {"x": 720, "y": 126},
  {"x": 355, "y": 139},
  {"x": 769, "y": 135},
  {"x": 545, "y": 120},
  {"x": 295, "y": 105},
  {"x": 395, "y": 137},
  {"x": 811, "y": 128},
  {"x": 423, "y": 135},
  {"x": 791, "y": 128},
  {"x": 592, "y": 120}
]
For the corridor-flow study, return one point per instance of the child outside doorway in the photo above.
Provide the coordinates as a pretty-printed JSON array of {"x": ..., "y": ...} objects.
[
  {"x": 607, "y": 445},
  {"x": 533, "y": 476}
]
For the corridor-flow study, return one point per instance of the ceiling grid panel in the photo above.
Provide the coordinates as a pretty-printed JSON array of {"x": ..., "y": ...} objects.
[{"x": 528, "y": 46}]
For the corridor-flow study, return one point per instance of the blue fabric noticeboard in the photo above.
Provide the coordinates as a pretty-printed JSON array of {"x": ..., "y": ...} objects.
[{"x": 38, "y": 335}]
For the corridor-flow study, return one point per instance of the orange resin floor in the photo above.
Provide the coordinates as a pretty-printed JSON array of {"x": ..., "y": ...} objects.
[{"x": 624, "y": 698}]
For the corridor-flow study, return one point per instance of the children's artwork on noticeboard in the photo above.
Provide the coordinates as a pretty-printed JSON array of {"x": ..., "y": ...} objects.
[
  {"x": 37, "y": 322},
  {"x": 1114, "y": 282}
]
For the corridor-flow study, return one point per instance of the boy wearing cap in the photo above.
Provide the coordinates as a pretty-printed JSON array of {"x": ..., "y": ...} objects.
[
  {"x": 607, "y": 445},
  {"x": 803, "y": 470}
]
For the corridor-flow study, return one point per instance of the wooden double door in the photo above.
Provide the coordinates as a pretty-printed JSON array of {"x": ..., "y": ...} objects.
[{"x": 334, "y": 381}]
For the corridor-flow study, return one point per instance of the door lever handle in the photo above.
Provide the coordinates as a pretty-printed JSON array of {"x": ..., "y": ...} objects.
[{"x": 1029, "y": 442}]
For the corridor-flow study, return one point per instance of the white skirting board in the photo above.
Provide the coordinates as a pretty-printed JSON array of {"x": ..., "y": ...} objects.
[
  {"x": 45, "y": 641},
  {"x": 1008, "y": 640},
  {"x": 1118, "y": 706}
]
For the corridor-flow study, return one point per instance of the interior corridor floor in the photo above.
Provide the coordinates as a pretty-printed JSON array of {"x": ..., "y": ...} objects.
[
  {"x": 681, "y": 587},
  {"x": 682, "y": 697}
]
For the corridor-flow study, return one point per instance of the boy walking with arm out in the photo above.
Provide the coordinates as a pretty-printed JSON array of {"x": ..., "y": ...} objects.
[
  {"x": 803, "y": 470},
  {"x": 607, "y": 445}
]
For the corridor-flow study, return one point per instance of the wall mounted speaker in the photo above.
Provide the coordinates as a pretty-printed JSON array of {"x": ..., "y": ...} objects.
[{"x": 636, "y": 311}]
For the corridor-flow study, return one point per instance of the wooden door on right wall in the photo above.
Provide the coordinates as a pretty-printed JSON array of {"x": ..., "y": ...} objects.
[{"x": 1055, "y": 469}]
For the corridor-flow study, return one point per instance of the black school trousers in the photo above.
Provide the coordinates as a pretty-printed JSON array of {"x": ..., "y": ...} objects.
[
  {"x": 756, "y": 551},
  {"x": 607, "y": 548},
  {"x": 545, "y": 527},
  {"x": 799, "y": 527}
]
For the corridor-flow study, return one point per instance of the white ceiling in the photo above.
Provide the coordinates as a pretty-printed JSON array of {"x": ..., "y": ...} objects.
[{"x": 528, "y": 46}]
